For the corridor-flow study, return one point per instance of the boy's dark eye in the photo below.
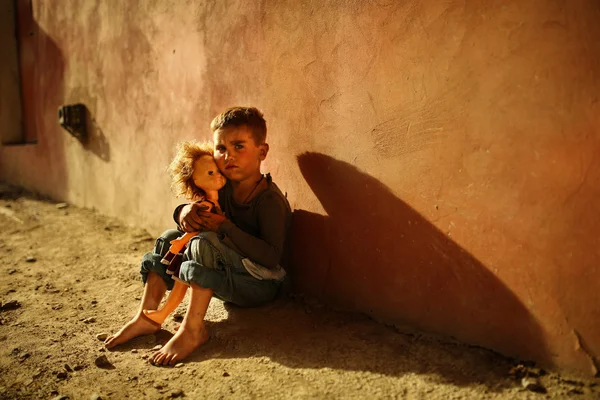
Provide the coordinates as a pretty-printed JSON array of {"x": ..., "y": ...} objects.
[
  {"x": 211, "y": 172},
  {"x": 220, "y": 149},
  {"x": 239, "y": 146}
]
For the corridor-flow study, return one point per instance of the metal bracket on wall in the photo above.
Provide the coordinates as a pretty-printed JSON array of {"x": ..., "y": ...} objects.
[{"x": 73, "y": 118}]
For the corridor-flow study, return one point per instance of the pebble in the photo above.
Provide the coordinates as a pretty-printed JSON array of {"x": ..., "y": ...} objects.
[
  {"x": 157, "y": 347},
  {"x": 62, "y": 205},
  {"x": 89, "y": 320},
  {"x": 95, "y": 396},
  {"x": 134, "y": 351},
  {"x": 12, "y": 271},
  {"x": 10, "y": 305},
  {"x": 78, "y": 367},
  {"x": 102, "y": 362},
  {"x": 145, "y": 356},
  {"x": 177, "y": 393},
  {"x": 178, "y": 365},
  {"x": 226, "y": 374},
  {"x": 62, "y": 375},
  {"x": 61, "y": 397},
  {"x": 102, "y": 336},
  {"x": 30, "y": 259},
  {"x": 68, "y": 368}
]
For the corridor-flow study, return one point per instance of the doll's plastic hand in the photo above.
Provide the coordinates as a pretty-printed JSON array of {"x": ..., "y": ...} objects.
[
  {"x": 210, "y": 221},
  {"x": 189, "y": 219}
]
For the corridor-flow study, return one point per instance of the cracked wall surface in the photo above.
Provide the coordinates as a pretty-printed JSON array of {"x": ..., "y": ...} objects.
[{"x": 441, "y": 157}]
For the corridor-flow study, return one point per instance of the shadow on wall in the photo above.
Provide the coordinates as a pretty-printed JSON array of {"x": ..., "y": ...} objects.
[
  {"x": 96, "y": 141},
  {"x": 78, "y": 120},
  {"x": 375, "y": 254},
  {"x": 41, "y": 65}
]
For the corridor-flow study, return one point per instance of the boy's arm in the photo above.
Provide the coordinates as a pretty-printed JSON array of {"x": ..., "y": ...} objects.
[
  {"x": 187, "y": 216},
  {"x": 273, "y": 214},
  {"x": 176, "y": 213}
]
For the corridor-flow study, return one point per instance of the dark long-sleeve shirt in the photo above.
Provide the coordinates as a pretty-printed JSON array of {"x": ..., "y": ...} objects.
[{"x": 259, "y": 229}]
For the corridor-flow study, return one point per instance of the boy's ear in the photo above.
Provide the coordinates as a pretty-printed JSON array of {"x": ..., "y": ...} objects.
[{"x": 264, "y": 150}]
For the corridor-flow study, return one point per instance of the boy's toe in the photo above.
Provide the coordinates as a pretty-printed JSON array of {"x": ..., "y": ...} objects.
[
  {"x": 154, "y": 358},
  {"x": 161, "y": 359},
  {"x": 170, "y": 360},
  {"x": 108, "y": 342}
]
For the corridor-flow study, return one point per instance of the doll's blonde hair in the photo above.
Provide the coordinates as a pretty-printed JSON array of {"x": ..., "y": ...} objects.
[{"x": 181, "y": 168}]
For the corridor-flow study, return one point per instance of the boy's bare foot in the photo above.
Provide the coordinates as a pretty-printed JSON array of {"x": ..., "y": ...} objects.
[
  {"x": 184, "y": 342},
  {"x": 138, "y": 326}
]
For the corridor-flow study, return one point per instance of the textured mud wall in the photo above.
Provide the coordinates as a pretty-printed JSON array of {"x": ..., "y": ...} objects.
[{"x": 442, "y": 157}]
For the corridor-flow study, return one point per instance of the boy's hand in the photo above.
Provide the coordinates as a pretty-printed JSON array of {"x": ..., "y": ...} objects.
[
  {"x": 210, "y": 222},
  {"x": 189, "y": 220},
  {"x": 194, "y": 218}
]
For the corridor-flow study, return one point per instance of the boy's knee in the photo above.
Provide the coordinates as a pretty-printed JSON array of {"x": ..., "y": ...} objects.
[
  {"x": 163, "y": 242},
  {"x": 151, "y": 263},
  {"x": 204, "y": 239},
  {"x": 170, "y": 234},
  {"x": 202, "y": 247},
  {"x": 209, "y": 236}
]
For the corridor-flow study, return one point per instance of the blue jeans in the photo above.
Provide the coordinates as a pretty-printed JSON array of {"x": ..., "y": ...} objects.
[{"x": 210, "y": 264}]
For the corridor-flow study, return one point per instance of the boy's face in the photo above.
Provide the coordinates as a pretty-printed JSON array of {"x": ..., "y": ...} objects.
[
  {"x": 206, "y": 175},
  {"x": 237, "y": 155}
]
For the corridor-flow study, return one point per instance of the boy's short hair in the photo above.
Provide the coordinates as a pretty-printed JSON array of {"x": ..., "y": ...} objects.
[
  {"x": 238, "y": 116},
  {"x": 181, "y": 168}
]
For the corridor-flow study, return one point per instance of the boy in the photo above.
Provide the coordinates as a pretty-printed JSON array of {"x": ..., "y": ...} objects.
[{"x": 236, "y": 256}]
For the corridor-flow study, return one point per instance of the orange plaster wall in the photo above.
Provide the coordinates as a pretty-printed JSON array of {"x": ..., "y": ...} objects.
[{"x": 441, "y": 157}]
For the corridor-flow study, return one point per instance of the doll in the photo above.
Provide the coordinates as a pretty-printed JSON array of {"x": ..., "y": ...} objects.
[{"x": 195, "y": 176}]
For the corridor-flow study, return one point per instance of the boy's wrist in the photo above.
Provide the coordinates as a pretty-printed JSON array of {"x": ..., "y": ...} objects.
[{"x": 226, "y": 227}]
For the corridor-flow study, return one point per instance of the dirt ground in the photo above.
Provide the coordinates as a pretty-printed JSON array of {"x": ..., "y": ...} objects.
[{"x": 70, "y": 275}]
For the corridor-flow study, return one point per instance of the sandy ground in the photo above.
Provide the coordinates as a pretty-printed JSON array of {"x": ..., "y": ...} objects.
[{"x": 70, "y": 274}]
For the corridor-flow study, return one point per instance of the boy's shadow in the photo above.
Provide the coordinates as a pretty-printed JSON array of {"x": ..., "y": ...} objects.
[{"x": 374, "y": 253}]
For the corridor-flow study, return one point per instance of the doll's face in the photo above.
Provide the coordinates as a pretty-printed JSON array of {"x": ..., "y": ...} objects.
[{"x": 206, "y": 174}]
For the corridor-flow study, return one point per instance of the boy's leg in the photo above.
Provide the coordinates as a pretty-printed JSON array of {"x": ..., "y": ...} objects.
[
  {"x": 209, "y": 267},
  {"x": 154, "y": 290},
  {"x": 157, "y": 281},
  {"x": 211, "y": 264},
  {"x": 175, "y": 298},
  {"x": 192, "y": 332}
]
